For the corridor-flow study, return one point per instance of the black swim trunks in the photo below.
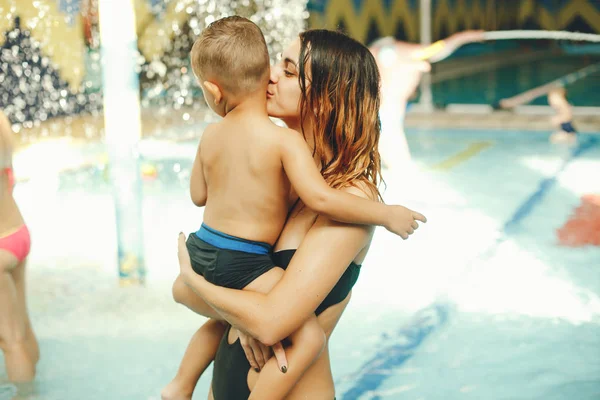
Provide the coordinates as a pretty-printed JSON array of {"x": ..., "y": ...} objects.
[
  {"x": 568, "y": 127},
  {"x": 226, "y": 260}
]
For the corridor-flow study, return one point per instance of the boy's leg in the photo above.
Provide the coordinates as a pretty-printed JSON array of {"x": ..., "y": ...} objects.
[
  {"x": 199, "y": 354},
  {"x": 202, "y": 347},
  {"x": 18, "y": 275}
]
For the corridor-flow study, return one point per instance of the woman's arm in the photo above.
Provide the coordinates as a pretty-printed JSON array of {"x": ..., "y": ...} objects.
[
  {"x": 6, "y": 142},
  {"x": 324, "y": 254}
]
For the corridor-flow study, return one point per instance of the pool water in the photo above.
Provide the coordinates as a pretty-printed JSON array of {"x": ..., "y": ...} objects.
[{"x": 481, "y": 303}]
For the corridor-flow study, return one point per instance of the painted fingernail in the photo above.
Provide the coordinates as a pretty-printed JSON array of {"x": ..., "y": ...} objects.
[{"x": 284, "y": 369}]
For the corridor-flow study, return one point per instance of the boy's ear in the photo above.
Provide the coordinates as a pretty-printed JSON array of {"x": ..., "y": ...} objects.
[{"x": 214, "y": 90}]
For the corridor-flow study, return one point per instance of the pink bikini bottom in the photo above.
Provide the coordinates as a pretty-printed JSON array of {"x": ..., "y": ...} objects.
[{"x": 18, "y": 243}]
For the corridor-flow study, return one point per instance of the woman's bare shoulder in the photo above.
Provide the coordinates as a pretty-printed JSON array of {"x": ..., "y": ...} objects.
[{"x": 361, "y": 188}]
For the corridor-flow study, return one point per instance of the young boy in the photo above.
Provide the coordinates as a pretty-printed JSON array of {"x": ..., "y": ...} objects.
[
  {"x": 563, "y": 119},
  {"x": 243, "y": 172}
]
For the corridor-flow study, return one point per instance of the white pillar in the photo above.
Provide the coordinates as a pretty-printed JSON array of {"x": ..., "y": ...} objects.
[
  {"x": 122, "y": 130},
  {"x": 426, "y": 100}
]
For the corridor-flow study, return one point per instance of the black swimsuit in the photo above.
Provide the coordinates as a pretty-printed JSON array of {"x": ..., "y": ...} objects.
[
  {"x": 231, "y": 366},
  {"x": 568, "y": 127}
]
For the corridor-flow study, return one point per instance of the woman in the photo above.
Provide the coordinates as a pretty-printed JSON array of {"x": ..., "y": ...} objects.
[
  {"x": 17, "y": 341},
  {"x": 326, "y": 86}
]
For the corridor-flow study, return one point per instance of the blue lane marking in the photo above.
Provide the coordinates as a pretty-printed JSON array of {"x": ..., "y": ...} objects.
[
  {"x": 375, "y": 371},
  {"x": 532, "y": 201},
  {"x": 407, "y": 339}
]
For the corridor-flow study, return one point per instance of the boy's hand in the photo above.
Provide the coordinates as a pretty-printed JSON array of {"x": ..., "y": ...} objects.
[{"x": 403, "y": 221}]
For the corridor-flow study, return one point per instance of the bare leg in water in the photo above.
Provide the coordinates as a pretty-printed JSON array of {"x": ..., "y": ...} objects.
[{"x": 17, "y": 341}]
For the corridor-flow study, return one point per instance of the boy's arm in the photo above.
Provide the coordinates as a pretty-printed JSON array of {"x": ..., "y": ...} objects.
[
  {"x": 340, "y": 206},
  {"x": 198, "y": 191}
]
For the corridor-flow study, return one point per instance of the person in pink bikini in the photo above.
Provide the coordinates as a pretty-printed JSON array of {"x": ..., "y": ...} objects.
[{"x": 17, "y": 340}]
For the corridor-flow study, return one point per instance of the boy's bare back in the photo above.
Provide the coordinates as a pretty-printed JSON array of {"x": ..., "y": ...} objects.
[
  {"x": 245, "y": 164},
  {"x": 247, "y": 188}
]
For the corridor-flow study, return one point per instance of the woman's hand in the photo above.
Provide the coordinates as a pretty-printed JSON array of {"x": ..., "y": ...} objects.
[
  {"x": 257, "y": 353},
  {"x": 185, "y": 264}
]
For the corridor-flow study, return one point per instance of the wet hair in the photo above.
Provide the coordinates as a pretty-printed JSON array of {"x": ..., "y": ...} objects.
[
  {"x": 340, "y": 94},
  {"x": 232, "y": 51}
]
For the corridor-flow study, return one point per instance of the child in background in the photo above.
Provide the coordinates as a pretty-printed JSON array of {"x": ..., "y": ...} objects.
[{"x": 563, "y": 119}]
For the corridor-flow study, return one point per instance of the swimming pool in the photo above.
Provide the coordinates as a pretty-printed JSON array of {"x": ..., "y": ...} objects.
[
  {"x": 491, "y": 78},
  {"x": 515, "y": 315},
  {"x": 480, "y": 303}
]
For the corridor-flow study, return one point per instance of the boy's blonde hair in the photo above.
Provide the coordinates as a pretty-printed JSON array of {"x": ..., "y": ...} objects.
[{"x": 232, "y": 51}]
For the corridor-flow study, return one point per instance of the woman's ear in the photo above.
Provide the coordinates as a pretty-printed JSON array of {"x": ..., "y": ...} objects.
[{"x": 214, "y": 90}]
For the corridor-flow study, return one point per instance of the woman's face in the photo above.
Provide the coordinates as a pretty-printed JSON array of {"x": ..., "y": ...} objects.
[{"x": 283, "y": 92}]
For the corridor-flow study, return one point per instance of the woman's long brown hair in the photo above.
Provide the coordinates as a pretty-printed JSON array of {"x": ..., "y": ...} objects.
[{"x": 341, "y": 97}]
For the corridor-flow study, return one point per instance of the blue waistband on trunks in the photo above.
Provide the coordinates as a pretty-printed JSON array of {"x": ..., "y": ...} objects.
[{"x": 225, "y": 241}]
